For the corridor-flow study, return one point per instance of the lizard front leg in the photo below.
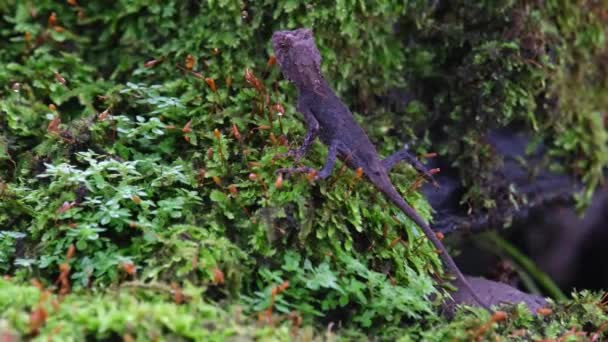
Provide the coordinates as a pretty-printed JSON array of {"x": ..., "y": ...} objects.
[
  {"x": 311, "y": 133},
  {"x": 404, "y": 155},
  {"x": 325, "y": 172},
  {"x": 330, "y": 161}
]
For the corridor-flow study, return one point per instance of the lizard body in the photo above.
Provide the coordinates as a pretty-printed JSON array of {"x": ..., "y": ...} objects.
[{"x": 330, "y": 119}]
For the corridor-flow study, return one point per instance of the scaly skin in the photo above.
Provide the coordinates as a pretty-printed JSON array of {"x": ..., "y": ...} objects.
[{"x": 328, "y": 118}]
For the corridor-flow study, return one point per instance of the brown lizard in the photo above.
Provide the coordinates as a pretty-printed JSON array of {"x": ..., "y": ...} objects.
[{"x": 328, "y": 118}]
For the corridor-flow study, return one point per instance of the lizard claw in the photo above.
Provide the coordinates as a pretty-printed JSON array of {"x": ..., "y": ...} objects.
[{"x": 428, "y": 175}]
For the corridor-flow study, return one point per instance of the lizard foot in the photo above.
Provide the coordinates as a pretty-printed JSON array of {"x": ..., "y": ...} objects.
[
  {"x": 427, "y": 174},
  {"x": 406, "y": 156}
]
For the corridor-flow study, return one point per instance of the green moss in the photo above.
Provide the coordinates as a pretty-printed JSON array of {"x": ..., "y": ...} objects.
[
  {"x": 473, "y": 67},
  {"x": 579, "y": 85},
  {"x": 583, "y": 318},
  {"x": 108, "y": 144},
  {"x": 140, "y": 165},
  {"x": 148, "y": 311},
  {"x": 137, "y": 313}
]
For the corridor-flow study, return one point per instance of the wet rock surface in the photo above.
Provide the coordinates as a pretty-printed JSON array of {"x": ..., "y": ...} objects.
[
  {"x": 544, "y": 225},
  {"x": 523, "y": 177}
]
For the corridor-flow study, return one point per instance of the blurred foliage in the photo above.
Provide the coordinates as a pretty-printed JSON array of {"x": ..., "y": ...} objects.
[
  {"x": 138, "y": 149},
  {"x": 475, "y": 66}
]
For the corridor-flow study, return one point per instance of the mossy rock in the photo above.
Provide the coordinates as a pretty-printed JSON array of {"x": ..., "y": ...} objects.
[{"x": 139, "y": 143}]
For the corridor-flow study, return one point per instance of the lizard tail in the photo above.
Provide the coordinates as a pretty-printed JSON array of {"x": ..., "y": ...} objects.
[{"x": 391, "y": 193}]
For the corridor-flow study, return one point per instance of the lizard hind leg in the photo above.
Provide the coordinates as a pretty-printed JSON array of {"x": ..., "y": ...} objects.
[{"x": 404, "y": 155}]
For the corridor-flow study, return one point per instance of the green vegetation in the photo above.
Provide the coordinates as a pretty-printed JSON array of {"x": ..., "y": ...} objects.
[
  {"x": 139, "y": 140},
  {"x": 137, "y": 312},
  {"x": 481, "y": 65}
]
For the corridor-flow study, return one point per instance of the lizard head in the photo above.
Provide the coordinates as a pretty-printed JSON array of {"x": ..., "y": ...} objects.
[{"x": 297, "y": 54}]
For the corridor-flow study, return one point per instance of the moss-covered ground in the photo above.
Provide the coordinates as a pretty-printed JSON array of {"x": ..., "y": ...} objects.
[{"x": 139, "y": 143}]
